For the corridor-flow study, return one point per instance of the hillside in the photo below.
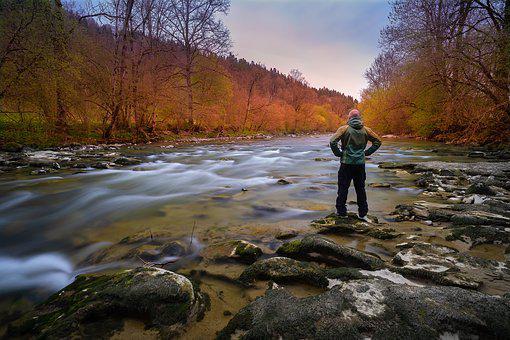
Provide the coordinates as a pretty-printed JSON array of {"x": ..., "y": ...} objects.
[{"x": 126, "y": 73}]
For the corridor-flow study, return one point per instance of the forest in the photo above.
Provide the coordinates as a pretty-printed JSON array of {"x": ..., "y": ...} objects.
[
  {"x": 142, "y": 69},
  {"x": 443, "y": 72}
]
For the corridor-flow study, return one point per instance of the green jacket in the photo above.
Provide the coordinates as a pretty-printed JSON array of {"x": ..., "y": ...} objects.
[{"x": 354, "y": 138}]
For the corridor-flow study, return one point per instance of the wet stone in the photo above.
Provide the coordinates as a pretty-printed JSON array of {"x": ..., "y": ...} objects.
[
  {"x": 95, "y": 306},
  {"x": 238, "y": 250},
  {"x": 445, "y": 265},
  {"x": 372, "y": 308},
  {"x": 283, "y": 181},
  {"x": 325, "y": 250},
  {"x": 284, "y": 270}
]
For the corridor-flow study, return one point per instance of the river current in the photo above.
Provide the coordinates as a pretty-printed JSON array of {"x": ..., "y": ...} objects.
[{"x": 48, "y": 224}]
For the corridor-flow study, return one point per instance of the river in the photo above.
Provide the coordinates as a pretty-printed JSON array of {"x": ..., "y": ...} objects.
[{"x": 50, "y": 223}]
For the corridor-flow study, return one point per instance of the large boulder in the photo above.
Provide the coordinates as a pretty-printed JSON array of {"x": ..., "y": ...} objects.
[
  {"x": 96, "y": 306},
  {"x": 373, "y": 308},
  {"x": 329, "y": 252}
]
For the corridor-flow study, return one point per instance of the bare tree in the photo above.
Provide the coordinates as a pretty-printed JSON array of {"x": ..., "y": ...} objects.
[{"x": 196, "y": 27}]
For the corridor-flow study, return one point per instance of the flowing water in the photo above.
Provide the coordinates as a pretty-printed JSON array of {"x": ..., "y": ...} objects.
[{"x": 48, "y": 224}]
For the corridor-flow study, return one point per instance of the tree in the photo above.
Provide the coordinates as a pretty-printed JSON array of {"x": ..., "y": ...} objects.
[{"x": 194, "y": 26}]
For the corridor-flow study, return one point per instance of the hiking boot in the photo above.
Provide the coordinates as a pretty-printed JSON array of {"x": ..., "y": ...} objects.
[
  {"x": 365, "y": 218},
  {"x": 337, "y": 215}
]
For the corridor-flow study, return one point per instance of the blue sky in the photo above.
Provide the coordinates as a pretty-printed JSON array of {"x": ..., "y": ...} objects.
[{"x": 331, "y": 41}]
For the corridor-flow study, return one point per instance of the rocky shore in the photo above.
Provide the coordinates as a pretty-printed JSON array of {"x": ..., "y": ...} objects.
[{"x": 436, "y": 268}]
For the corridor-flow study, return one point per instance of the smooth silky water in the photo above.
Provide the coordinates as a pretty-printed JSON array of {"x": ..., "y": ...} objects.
[{"x": 48, "y": 224}]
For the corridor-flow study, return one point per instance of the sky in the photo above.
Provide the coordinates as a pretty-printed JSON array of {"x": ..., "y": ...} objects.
[{"x": 332, "y": 42}]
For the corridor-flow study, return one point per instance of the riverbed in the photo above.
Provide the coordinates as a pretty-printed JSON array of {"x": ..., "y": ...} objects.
[{"x": 49, "y": 224}]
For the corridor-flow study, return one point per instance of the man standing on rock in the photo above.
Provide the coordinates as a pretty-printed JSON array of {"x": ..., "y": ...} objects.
[{"x": 354, "y": 138}]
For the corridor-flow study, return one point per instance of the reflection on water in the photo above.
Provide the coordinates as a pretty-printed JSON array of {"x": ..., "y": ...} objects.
[{"x": 46, "y": 222}]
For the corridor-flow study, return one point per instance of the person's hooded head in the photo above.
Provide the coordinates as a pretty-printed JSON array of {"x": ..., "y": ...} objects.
[{"x": 354, "y": 119}]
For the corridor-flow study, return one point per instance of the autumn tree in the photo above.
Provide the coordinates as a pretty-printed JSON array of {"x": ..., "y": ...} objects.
[{"x": 196, "y": 28}]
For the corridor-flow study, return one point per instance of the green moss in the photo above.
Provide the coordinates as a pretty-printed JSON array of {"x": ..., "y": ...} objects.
[
  {"x": 383, "y": 234},
  {"x": 344, "y": 273},
  {"x": 290, "y": 248},
  {"x": 248, "y": 251}
]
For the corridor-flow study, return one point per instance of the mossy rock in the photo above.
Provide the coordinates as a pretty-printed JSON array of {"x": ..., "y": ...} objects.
[
  {"x": 479, "y": 235},
  {"x": 237, "y": 250},
  {"x": 329, "y": 252},
  {"x": 375, "y": 309},
  {"x": 383, "y": 233},
  {"x": 96, "y": 306},
  {"x": 284, "y": 270},
  {"x": 334, "y": 224}
]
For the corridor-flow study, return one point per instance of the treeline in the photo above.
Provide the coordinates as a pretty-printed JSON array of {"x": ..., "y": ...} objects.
[
  {"x": 142, "y": 68},
  {"x": 443, "y": 72}
]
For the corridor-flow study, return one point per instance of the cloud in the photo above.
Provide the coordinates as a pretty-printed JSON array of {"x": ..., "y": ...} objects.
[{"x": 331, "y": 41}]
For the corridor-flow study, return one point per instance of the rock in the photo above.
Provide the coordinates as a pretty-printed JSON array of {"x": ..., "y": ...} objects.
[
  {"x": 102, "y": 165},
  {"x": 445, "y": 265},
  {"x": 476, "y": 154},
  {"x": 475, "y": 217},
  {"x": 379, "y": 185},
  {"x": 383, "y": 233},
  {"x": 323, "y": 159},
  {"x": 396, "y": 165},
  {"x": 329, "y": 251},
  {"x": 473, "y": 169},
  {"x": 283, "y": 181},
  {"x": 284, "y": 270},
  {"x": 96, "y": 306},
  {"x": 372, "y": 309},
  {"x": 12, "y": 147},
  {"x": 40, "y": 163},
  {"x": 338, "y": 225},
  {"x": 480, "y": 188},
  {"x": 127, "y": 161},
  {"x": 286, "y": 234},
  {"x": 140, "y": 247},
  {"x": 479, "y": 235},
  {"x": 239, "y": 250}
]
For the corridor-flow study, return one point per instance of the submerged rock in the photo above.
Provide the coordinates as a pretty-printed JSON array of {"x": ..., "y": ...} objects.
[
  {"x": 322, "y": 249},
  {"x": 127, "y": 161},
  {"x": 95, "y": 306},
  {"x": 372, "y": 308},
  {"x": 239, "y": 250},
  {"x": 139, "y": 248},
  {"x": 283, "y": 181}
]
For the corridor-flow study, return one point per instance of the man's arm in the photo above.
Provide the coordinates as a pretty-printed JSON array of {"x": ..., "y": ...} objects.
[
  {"x": 374, "y": 139},
  {"x": 333, "y": 142}
]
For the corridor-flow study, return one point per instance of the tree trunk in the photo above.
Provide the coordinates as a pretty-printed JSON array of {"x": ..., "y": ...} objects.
[{"x": 59, "y": 41}]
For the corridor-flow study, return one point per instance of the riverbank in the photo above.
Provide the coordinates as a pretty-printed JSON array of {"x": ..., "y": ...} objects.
[{"x": 448, "y": 238}]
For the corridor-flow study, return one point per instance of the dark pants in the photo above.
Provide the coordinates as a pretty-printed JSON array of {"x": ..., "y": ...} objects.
[{"x": 356, "y": 173}]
